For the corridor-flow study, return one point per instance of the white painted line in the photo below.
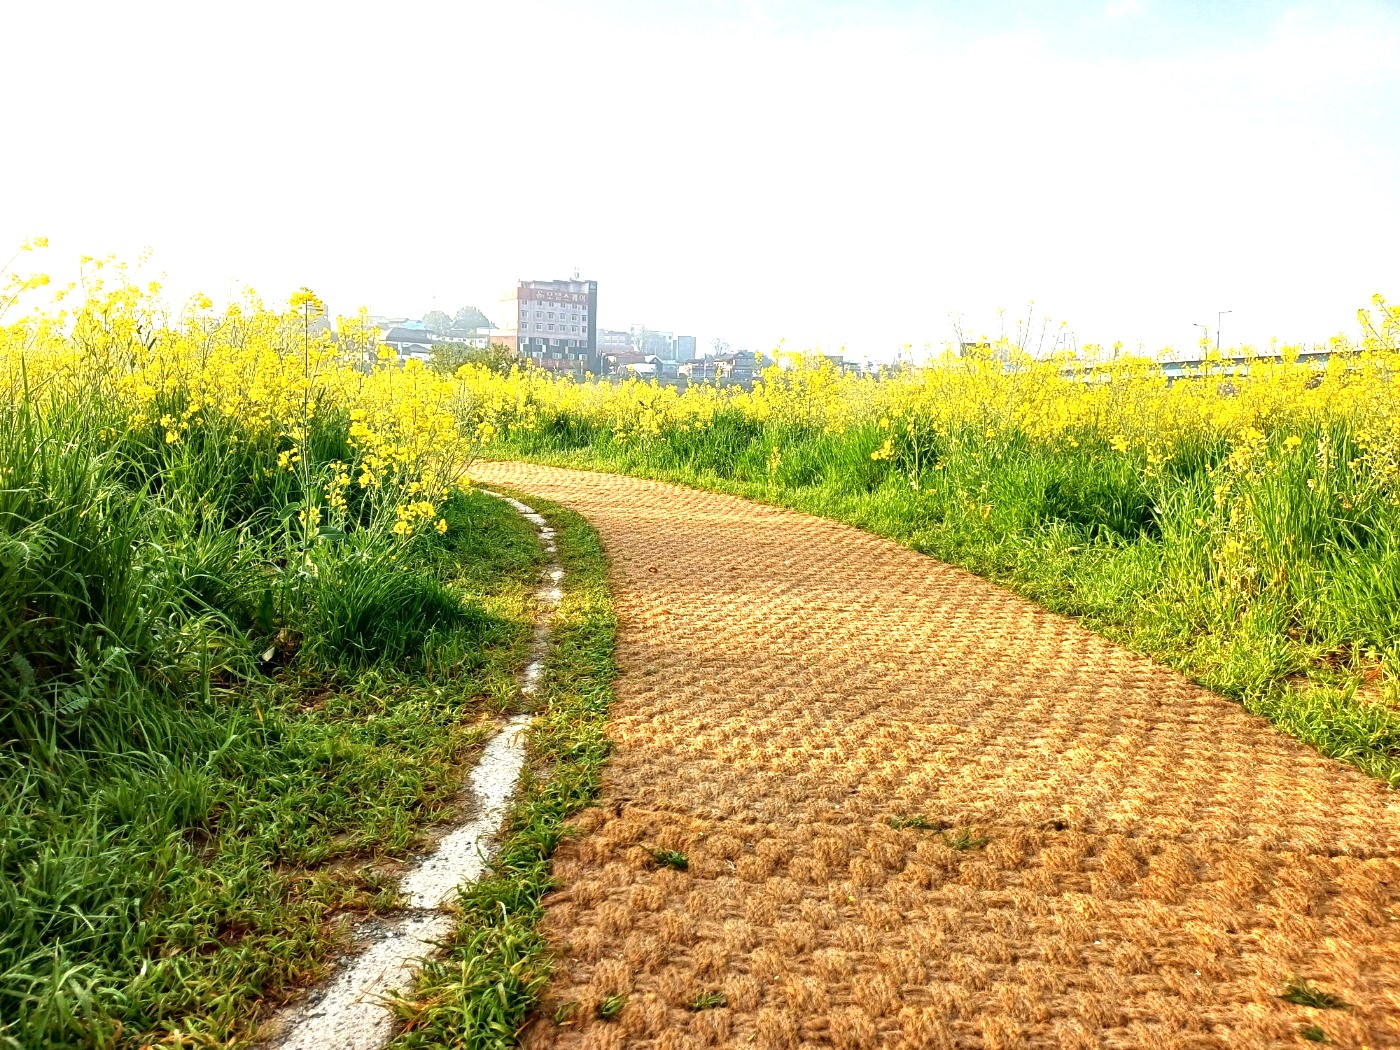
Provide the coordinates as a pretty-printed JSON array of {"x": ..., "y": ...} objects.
[
  {"x": 459, "y": 858},
  {"x": 349, "y": 1012}
]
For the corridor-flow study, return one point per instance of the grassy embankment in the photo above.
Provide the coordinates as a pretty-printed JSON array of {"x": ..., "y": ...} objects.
[
  {"x": 217, "y": 733},
  {"x": 1262, "y": 559}
]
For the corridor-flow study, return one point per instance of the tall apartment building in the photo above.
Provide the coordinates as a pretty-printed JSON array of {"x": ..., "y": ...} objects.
[
  {"x": 557, "y": 324},
  {"x": 685, "y": 348}
]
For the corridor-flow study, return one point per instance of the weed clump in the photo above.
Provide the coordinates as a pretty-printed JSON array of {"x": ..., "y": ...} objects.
[
  {"x": 366, "y": 610},
  {"x": 1303, "y": 993},
  {"x": 965, "y": 840},
  {"x": 918, "y": 823},
  {"x": 670, "y": 858},
  {"x": 564, "y": 1013},
  {"x": 610, "y": 1007},
  {"x": 708, "y": 1001}
]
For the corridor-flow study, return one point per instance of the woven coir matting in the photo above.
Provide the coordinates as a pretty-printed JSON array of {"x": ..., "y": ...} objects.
[{"x": 1109, "y": 855}]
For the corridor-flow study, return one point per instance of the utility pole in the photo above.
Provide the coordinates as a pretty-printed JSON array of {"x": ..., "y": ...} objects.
[{"x": 1218, "y": 315}]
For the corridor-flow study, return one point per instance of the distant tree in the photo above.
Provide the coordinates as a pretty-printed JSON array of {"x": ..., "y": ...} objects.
[
  {"x": 497, "y": 357},
  {"x": 471, "y": 317},
  {"x": 647, "y": 341},
  {"x": 437, "y": 321},
  {"x": 721, "y": 347},
  {"x": 448, "y": 357}
]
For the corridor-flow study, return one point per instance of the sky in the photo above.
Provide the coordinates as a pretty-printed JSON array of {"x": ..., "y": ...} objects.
[{"x": 826, "y": 174}]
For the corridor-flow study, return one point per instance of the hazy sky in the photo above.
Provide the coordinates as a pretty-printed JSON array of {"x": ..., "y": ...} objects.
[{"x": 833, "y": 173}]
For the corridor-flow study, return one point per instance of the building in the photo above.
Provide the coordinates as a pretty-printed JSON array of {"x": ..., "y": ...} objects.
[
  {"x": 610, "y": 340},
  {"x": 701, "y": 371},
  {"x": 647, "y": 368},
  {"x": 415, "y": 340},
  {"x": 738, "y": 367},
  {"x": 557, "y": 324},
  {"x": 649, "y": 341},
  {"x": 666, "y": 345},
  {"x": 615, "y": 362},
  {"x": 481, "y": 338},
  {"x": 409, "y": 339}
]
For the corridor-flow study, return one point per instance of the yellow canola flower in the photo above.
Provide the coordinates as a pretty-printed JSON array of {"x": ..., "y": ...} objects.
[
  {"x": 264, "y": 378},
  {"x": 410, "y": 433}
]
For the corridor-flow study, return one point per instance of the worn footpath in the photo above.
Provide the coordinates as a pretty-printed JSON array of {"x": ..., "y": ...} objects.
[{"x": 916, "y": 810}]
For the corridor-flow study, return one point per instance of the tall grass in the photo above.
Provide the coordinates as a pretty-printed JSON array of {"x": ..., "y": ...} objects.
[{"x": 199, "y": 708}]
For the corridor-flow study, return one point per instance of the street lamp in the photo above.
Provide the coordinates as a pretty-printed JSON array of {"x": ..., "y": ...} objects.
[{"x": 1205, "y": 329}]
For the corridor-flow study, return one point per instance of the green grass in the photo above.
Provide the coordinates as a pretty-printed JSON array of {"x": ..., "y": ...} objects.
[
  {"x": 918, "y": 823},
  {"x": 480, "y": 994},
  {"x": 610, "y": 1007},
  {"x": 1300, "y": 620},
  {"x": 1303, "y": 993},
  {"x": 708, "y": 1001},
  {"x": 670, "y": 858},
  {"x": 213, "y": 737},
  {"x": 965, "y": 840}
]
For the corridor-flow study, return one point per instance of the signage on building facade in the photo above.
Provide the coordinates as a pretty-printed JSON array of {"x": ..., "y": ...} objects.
[{"x": 551, "y": 295}]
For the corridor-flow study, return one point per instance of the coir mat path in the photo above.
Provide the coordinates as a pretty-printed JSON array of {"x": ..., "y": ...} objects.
[{"x": 915, "y": 810}]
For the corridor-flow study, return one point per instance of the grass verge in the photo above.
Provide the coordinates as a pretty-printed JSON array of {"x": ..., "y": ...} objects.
[
  {"x": 164, "y": 888},
  {"x": 479, "y": 995}
]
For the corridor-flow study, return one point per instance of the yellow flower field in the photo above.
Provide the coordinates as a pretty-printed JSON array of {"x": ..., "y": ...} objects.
[
  {"x": 1243, "y": 520},
  {"x": 265, "y": 377}
]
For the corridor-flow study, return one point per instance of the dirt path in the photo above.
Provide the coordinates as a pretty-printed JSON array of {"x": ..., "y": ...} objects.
[{"x": 1158, "y": 864}]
